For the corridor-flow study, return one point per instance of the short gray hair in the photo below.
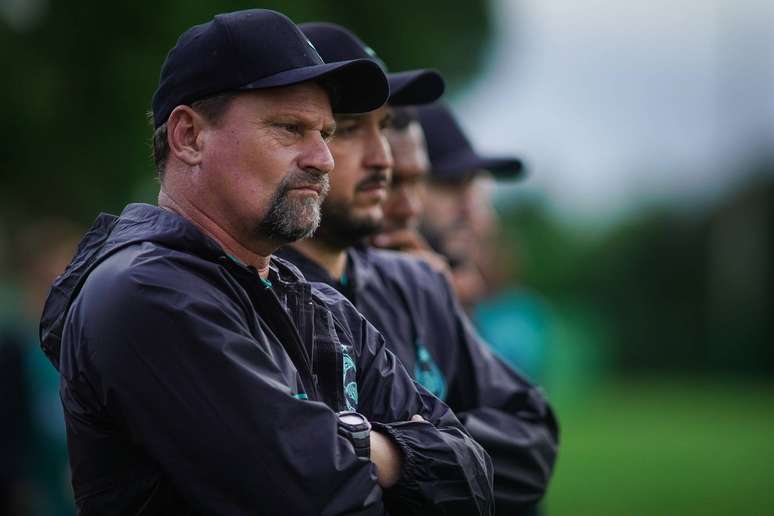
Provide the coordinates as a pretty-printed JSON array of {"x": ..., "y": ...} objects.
[{"x": 211, "y": 108}]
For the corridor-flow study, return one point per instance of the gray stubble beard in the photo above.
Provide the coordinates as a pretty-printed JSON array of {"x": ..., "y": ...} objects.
[{"x": 283, "y": 222}]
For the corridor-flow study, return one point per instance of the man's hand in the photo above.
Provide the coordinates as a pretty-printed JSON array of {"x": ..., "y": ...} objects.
[
  {"x": 410, "y": 241},
  {"x": 387, "y": 457}
]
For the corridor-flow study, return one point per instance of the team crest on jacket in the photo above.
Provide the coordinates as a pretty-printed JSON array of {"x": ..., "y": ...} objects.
[
  {"x": 349, "y": 379},
  {"x": 428, "y": 374}
]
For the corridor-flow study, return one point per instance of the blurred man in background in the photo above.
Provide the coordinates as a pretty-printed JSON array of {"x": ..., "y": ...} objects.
[
  {"x": 414, "y": 305},
  {"x": 444, "y": 197},
  {"x": 404, "y": 205},
  {"x": 458, "y": 219},
  {"x": 460, "y": 222},
  {"x": 201, "y": 375},
  {"x": 439, "y": 207}
]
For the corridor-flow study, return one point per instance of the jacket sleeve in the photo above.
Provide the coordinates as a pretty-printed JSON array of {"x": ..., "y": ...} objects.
[
  {"x": 444, "y": 470},
  {"x": 173, "y": 361},
  {"x": 506, "y": 414}
]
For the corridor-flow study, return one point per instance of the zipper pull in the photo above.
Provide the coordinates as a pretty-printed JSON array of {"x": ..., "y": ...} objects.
[{"x": 316, "y": 385}]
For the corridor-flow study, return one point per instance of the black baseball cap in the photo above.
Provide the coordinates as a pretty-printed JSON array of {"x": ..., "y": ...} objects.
[
  {"x": 412, "y": 87},
  {"x": 255, "y": 49},
  {"x": 452, "y": 157}
]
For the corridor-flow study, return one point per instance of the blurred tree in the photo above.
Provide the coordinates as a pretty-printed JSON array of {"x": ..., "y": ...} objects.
[
  {"x": 79, "y": 79},
  {"x": 676, "y": 291}
]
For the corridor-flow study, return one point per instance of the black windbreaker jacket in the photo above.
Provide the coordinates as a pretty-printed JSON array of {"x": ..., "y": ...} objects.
[
  {"x": 415, "y": 309},
  {"x": 190, "y": 386}
]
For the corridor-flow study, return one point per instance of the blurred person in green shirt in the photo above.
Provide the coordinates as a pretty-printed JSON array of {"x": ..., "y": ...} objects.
[{"x": 35, "y": 477}]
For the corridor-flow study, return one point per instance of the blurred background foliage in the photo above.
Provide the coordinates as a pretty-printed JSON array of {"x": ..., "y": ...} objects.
[
  {"x": 679, "y": 292},
  {"x": 659, "y": 322},
  {"x": 81, "y": 76}
]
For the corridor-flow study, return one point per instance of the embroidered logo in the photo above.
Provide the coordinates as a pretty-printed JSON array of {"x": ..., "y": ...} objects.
[
  {"x": 349, "y": 379},
  {"x": 427, "y": 373}
]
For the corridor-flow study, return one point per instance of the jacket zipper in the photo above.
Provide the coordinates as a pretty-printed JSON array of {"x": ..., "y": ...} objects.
[{"x": 295, "y": 349}]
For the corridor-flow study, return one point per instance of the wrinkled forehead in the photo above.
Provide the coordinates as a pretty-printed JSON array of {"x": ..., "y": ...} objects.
[{"x": 308, "y": 100}]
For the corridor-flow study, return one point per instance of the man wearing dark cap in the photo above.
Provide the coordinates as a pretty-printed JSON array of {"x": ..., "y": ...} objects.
[
  {"x": 405, "y": 201},
  {"x": 412, "y": 304},
  {"x": 201, "y": 375},
  {"x": 455, "y": 212}
]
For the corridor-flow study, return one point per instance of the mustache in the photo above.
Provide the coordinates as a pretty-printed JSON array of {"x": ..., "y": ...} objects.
[
  {"x": 305, "y": 179},
  {"x": 375, "y": 178}
]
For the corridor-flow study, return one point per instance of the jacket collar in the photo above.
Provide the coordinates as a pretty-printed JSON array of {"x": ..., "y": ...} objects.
[
  {"x": 359, "y": 272},
  {"x": 109, "y": 234}
]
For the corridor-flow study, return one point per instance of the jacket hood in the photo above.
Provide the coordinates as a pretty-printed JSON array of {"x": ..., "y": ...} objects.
[{"x": 109, "y": 234}]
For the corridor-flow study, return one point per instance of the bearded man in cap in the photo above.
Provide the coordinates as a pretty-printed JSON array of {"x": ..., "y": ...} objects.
[
  {"x": 441, "y": 210},
  {"x": 201, "y": 375},
  {"x": 414, "y": 305},
  {"x": 458, "y": 219},
  {"x": 405, "y": 200}
]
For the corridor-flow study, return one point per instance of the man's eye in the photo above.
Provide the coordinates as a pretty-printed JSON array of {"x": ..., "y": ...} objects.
[
  {"x": 291, "y": 128},
  {"x": 346, "y": 130}
]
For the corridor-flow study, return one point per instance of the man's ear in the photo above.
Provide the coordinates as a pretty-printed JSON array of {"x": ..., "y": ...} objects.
[{"x": 184, "y": 135}]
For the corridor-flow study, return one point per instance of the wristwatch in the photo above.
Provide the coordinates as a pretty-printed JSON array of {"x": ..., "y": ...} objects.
[{"x": 357, "y": 430}]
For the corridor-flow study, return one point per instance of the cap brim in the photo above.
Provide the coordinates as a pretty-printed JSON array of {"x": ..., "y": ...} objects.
[
  {"x": 415, "y": 87},
  {"x": 466, "y": 164},
  {"x": 358, "y": 86},
  {"x": 504, "y": 168}
]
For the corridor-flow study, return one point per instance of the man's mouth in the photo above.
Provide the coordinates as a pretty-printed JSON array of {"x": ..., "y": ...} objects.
[
  {"x": 317, "y": 188},
  {"x": 375, "y": 183}
]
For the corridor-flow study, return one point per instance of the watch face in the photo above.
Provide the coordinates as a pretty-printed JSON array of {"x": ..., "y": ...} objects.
[{"x": 351, "y": 419}]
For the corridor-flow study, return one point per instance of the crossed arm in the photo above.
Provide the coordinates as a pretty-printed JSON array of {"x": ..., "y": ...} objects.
[{"x": 213, "y": 406}]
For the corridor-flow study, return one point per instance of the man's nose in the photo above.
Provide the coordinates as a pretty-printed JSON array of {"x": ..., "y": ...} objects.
[
  {"x": 378, "y": 155},
  {"x": 406, "y": 201},
  {"x": 317, "y": 156}
]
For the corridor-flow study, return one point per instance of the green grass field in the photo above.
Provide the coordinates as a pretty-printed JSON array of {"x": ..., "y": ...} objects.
[{"x": 662, "y": 447}]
